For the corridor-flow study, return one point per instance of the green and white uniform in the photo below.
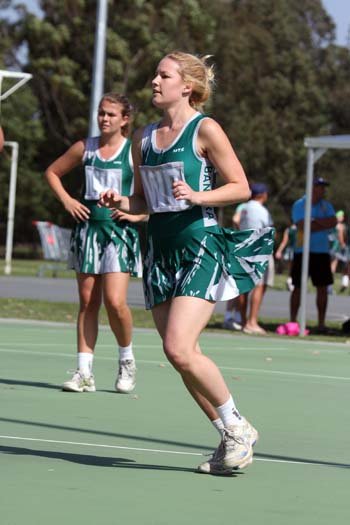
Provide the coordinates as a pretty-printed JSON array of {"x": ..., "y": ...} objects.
[
  {"x": 101, "y": 244},
  {"x": 188, "y": 253},
  {"x": 336, "y": 250}
]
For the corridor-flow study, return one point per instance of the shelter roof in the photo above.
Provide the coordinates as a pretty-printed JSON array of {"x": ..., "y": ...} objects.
[{"x": 328, "y": 142}]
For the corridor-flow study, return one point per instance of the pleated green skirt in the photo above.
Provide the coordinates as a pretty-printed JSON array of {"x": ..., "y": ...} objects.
[
  {"x": 99, "y": 247},
  {"x": 215, "y": 266}
]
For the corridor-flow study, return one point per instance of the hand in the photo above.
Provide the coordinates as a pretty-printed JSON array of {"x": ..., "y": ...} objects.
[
  {"x": 78, "y": 211},
  {"x": 109, "y": 199},
  {"x": 122, "y": 216},
  {"x": 181, "y": 190},
  {"x": 278, "y": 255}
]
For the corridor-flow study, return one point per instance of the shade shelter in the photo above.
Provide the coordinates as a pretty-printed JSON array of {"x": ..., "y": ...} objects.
[{"x": 316, "y": 147}]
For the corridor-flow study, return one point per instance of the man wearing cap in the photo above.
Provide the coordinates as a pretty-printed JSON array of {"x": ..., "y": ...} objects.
[
  {"x": 254, "y": 215},
  {"x": 323, "y": 219}
]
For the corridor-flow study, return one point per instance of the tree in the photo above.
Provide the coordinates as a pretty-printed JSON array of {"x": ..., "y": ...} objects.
[
  {"x": 279, "y": 78},
  {"x": 59, "y": 53},
  {"x": 269, "y": 95}
]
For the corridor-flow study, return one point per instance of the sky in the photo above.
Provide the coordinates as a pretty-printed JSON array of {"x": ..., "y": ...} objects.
[{"x": 339, "y": 10}]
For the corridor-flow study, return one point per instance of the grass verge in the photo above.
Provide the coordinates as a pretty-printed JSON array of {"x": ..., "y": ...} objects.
[{"x": 67, "y": 312}]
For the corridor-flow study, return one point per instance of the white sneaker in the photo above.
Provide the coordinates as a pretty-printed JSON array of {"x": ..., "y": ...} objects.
[
  {"x": 344, "y": 283},
  {"x": 126, "y": 379},
  {"x": 230, "y": 324},
  {"x": 216, "y": 464},
  {"x": 289, "y": 284},
  {"x": 237, "y": 317},
  {"x": 79, "y": 383}
]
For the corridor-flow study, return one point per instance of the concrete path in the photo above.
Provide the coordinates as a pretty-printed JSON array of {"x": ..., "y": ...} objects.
[{"x": 275, "y": 304}]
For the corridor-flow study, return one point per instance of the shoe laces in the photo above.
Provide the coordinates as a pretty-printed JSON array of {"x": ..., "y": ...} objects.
[
  {"x": 126, "y": 369},
  {"x": 76, "y": 374},
  {"x": 233, "y": 438}
]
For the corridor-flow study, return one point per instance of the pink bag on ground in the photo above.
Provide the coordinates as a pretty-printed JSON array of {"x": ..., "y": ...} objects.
[{"x": 291, "y": 329}]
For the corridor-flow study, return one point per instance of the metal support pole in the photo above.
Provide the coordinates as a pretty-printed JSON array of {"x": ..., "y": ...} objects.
[
  {"x": 312, "y": 157},
  {"x": 11, "y": 207},
  {"x": 98, "y": 65}
]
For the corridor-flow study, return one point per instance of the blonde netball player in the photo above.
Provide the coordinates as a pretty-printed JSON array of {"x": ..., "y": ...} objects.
[{"x": 191, "y": 262}]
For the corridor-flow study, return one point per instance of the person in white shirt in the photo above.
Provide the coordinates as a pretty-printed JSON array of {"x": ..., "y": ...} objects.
[{"x": 254, "y": 215}]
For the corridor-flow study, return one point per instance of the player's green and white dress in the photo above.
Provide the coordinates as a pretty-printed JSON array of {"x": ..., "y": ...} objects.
[
  {"x": 188, "y": 253},
  {"x": 101, "y": 244}
]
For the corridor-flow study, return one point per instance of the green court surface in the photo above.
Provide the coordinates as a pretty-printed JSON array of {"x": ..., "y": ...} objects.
[{"x": 103, "y": 458}]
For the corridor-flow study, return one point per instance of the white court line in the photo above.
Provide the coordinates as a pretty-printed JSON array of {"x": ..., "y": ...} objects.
[
  {"x": 55, "y": 326},
  {"x": 44, "y": 345},
  {"x": 229, "y": 368},
  {"x": 268, "y": 344},
  {"x": 280, "y": 372},
  {"x": 72, "y": 355},
  {"x": 137, "y": 449}
]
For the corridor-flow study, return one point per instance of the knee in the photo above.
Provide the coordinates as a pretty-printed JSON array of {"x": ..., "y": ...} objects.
[
  {"x": 115, "y": 306},
  {"x": 89, "y": 304},
  {"x": 177, "y": 354}
]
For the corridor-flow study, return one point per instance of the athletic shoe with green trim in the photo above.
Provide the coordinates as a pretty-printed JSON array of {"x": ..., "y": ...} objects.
[
  {"x": 235, "y": 448},
  {"x": 126, "y": 379},
  {"x": 79, "y": 383}
]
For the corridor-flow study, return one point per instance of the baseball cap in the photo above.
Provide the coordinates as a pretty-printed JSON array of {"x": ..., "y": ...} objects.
[
  {"x": 340, "y": 214},
  {"x": 258, "y": 188},
  {"x": 320, "y": 181}
]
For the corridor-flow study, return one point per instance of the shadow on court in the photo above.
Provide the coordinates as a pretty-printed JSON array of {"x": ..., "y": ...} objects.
[
  {"x": 262, "y": 456},
  {"x": 302, "y": 460},
  {"x": 35, "y": 384},
  {"x": 94, "y": 461},
  {"x": 110, "y": 434}
]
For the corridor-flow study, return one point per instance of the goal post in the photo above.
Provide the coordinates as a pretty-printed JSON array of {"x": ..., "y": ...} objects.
[
  {"x": 11, "y": 206},
  {"x": 14, "y": 80},
  {"x": 18, "y": 80}
]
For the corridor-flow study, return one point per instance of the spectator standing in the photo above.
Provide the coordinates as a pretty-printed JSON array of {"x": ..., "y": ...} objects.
[
  {"x": 285, "y": 251},
  {"x": 233, "y": 317},
  {"x": 254, "y": 215},
  {"x": 339, "y": 249},
  {"x": 323, "y": 219}
]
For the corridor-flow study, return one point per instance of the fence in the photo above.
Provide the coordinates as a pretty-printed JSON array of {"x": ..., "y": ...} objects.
[{"x": 55, "y": 243}]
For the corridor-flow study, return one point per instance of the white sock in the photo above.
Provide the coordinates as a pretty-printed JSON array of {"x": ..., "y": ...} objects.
[
  {"x": 126, "y": 353},
  {"x": 85, "y": 360},
  {"x": 218, "y": 424},
  {"x": 229, "y": 414}
]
